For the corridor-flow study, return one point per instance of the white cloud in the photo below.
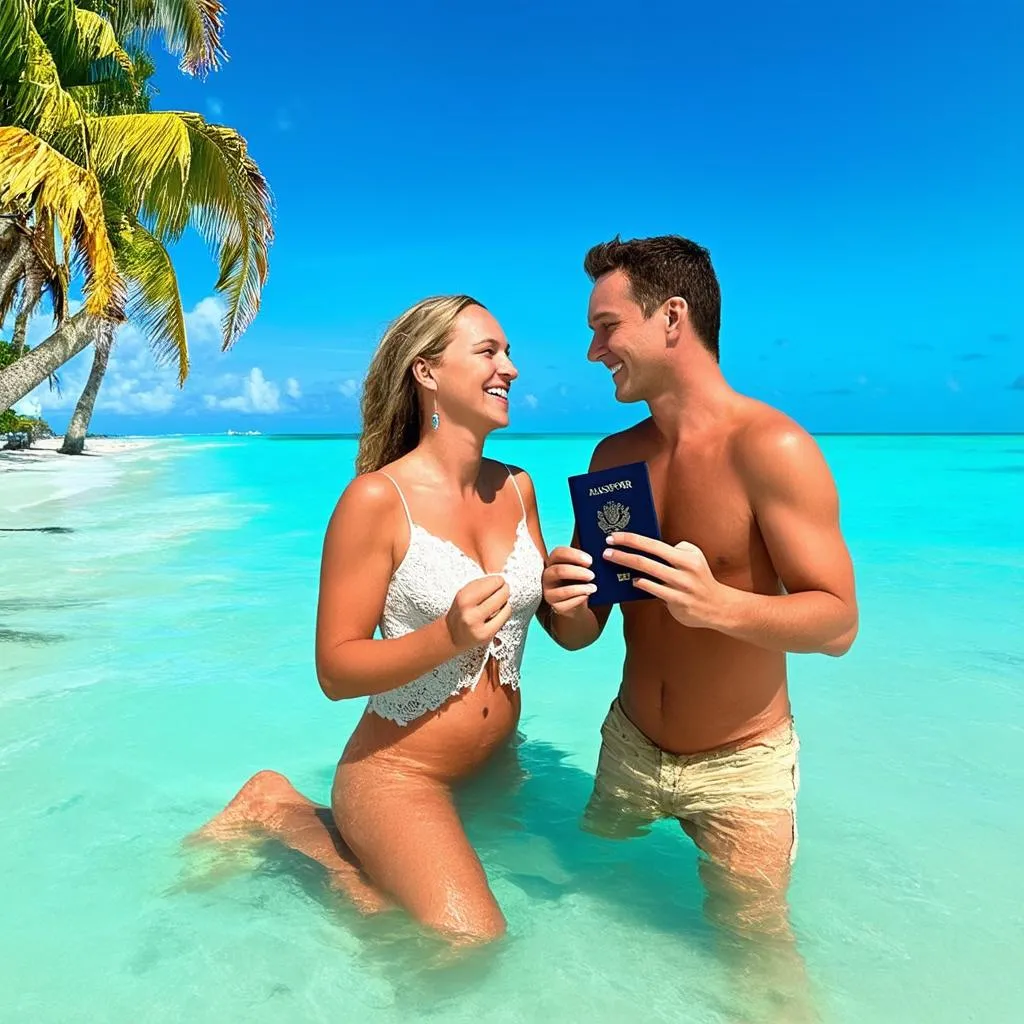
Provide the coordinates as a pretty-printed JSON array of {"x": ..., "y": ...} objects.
[
  {"x": 349, "y": 387},
  {"x": 204, "y": 322},
  {"x": 262, "y": 393},
  {"x": 124, "y": 396},
  {"x": 29, "y": 406},
  {"x": 258, "y": 395},
  {"x": 531, "y": 401},
  {"x": 135, "y": 384}
]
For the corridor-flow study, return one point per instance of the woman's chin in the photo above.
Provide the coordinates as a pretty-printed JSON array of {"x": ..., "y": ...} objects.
[{"x": 498, "y": 419}]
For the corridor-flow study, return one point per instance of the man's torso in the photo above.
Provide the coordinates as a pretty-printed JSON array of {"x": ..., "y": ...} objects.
[{"x": 692, "y": 690}]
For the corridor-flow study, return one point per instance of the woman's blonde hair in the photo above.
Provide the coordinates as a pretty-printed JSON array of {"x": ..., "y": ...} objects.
[{"x": 390, "y": 406}]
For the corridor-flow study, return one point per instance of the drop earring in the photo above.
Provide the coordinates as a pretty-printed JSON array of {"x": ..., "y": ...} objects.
[{"x": 435, "y": 420}]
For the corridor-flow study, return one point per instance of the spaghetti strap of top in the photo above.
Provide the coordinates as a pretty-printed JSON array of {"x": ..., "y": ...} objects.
[
  {"x": 519, "y": 493},
  {"x": 405, "y": 504},
  {"x": 421, "y": 590}
]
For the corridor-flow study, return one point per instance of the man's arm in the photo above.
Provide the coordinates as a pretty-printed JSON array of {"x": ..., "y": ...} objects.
[
  {"x": 796, "y": 505},
  {"x": 797, "y": 510}
]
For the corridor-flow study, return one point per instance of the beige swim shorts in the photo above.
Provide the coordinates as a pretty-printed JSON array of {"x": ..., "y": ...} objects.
[{"x": 737, "y": 804}]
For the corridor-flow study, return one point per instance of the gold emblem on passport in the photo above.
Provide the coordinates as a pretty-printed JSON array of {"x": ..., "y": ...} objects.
[{"x": 612, "y": 516}]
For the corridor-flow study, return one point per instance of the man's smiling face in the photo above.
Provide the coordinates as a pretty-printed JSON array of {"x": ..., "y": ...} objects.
[{"x": 630, "y": 345}]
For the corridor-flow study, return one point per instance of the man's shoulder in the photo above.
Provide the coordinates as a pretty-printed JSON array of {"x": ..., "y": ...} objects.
[
  {"x": 629, "y": 445},
  {"x": 768, "y": 443}
]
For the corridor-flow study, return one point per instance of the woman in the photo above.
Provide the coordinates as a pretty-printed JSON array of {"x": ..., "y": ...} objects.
[{"x": 443, "y": 550}]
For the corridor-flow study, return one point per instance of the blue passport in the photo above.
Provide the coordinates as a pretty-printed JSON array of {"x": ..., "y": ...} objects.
[{"x": 604, "y": 502}]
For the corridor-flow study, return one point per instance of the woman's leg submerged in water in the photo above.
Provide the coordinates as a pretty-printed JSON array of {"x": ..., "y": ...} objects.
[
  {"x": 269, "y": 805},
  {"x": 405, "y": 836},
  {"x": 404, "y": 828}
]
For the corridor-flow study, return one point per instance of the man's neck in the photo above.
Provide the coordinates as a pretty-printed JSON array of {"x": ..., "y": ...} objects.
[{"x": 692, "y": 401}]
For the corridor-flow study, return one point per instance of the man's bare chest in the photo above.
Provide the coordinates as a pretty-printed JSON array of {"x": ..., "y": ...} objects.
[{"x": 708, "y": 506}]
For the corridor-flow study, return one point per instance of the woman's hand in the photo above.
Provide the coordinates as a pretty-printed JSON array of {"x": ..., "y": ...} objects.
[
  {"x": 479, "y": 610},
  {"x": 568, "y": 580}
]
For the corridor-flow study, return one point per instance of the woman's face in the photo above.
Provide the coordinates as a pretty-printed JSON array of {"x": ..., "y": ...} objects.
[{"x": 475, "y": 372}]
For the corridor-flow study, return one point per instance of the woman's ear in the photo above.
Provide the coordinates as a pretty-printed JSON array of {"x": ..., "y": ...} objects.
[{"x": 423, "y": 374}]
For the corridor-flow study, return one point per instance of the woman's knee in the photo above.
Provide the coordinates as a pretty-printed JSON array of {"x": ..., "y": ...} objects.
[
  {"x": 470, "y": 919},
  {"x": 476, "y": 929},
  {"x": 267, "y": 789}
]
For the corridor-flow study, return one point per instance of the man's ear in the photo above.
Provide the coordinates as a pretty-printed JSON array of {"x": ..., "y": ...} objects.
[
  {"x": 676, "y": 313},
  {"x": 423, "y": 374}
]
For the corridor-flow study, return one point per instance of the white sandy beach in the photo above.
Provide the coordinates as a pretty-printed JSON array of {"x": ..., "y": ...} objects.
[
  {"x": 41, "y": 474},
  {"x": 49, "y": 449}
]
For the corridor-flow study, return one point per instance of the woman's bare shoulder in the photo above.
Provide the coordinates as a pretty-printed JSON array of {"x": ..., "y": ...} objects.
[
  {"x": 502, "y": 475},
  {"x": 370, "y": 498}
]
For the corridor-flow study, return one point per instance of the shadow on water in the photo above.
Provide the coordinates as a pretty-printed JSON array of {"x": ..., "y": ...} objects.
[
  {"x": 31, "y": 604},
  {"x": 32, "y": 637},
  {"x": 36, "y": 529},
  {"x": 522, "y": 815}
]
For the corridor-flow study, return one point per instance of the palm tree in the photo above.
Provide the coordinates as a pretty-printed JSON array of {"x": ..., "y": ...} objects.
[
  {"x": 29, "y": 271},
  {"x": 154, "y": 304},
  {"x": 151, "y": 174}
]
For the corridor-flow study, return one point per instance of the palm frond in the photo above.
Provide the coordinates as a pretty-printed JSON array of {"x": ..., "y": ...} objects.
[
  {"x": 48, "y": 272},
  {"x": 15, "y": 22},
  {"x": 110, "y": 91},
  {"x": 154, "y": 301},
  {"x": 176, "y": 169},
  {"x": 39, "y": 103},
  {"x": 30, "y": 267},
  {"x": 148, "y": 155},
  {"x": 229, "y": 201},
  {"x": 191, "y": 29},
  {"x": 34, "y": 175},
  {"x": 56, "y": 23},
  {"x": 55, "y": 274},
  {"x": 15, "y": 246},
  {"x": 97, "y": 40}
]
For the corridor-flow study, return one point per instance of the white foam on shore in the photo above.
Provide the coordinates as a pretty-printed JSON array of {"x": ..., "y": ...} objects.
[{"x": 40, "y": 474}]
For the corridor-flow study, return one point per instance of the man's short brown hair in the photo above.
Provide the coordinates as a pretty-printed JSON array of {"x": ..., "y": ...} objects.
[{"x": 660, "y": 268}]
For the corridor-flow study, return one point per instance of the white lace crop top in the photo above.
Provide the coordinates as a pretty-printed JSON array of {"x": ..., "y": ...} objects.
[{"x": 421, "y": 591}]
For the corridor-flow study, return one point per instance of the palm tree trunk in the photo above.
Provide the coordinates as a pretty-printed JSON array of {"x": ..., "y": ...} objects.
[
  {"x": 74, "y": 439},
  {"x": 18, "y": 379},
  {"x": 31, "y": 293},
  {"x": 21, "y": 329},
  {"x": 13, "y": 264}
]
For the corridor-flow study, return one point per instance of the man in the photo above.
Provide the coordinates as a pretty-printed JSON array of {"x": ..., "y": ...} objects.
[{"x": 701, "y": 728}]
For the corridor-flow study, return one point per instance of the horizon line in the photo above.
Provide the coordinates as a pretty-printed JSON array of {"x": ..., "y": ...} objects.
[{"x": 520, "y": 435}]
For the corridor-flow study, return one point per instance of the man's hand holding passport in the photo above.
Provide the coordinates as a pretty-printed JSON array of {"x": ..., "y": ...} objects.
[{"x": 607, "y": 501}]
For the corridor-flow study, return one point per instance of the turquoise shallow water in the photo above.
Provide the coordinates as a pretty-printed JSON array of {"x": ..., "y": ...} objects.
[{"x": 159, "y": 654}]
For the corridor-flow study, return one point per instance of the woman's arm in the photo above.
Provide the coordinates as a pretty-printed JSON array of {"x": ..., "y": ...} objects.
[
  {"x": 358, "y": 560},
  {"x": 526, "y": 489}
]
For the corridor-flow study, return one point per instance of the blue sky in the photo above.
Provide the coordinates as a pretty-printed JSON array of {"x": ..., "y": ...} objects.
[{"x": 856, "y": 173}]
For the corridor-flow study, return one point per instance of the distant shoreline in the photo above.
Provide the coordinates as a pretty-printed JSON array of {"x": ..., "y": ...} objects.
[
  {"x": 520, "y": 435},
  {"x": 47, "y": 450},
  {"x": 315, "y": 435}
]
